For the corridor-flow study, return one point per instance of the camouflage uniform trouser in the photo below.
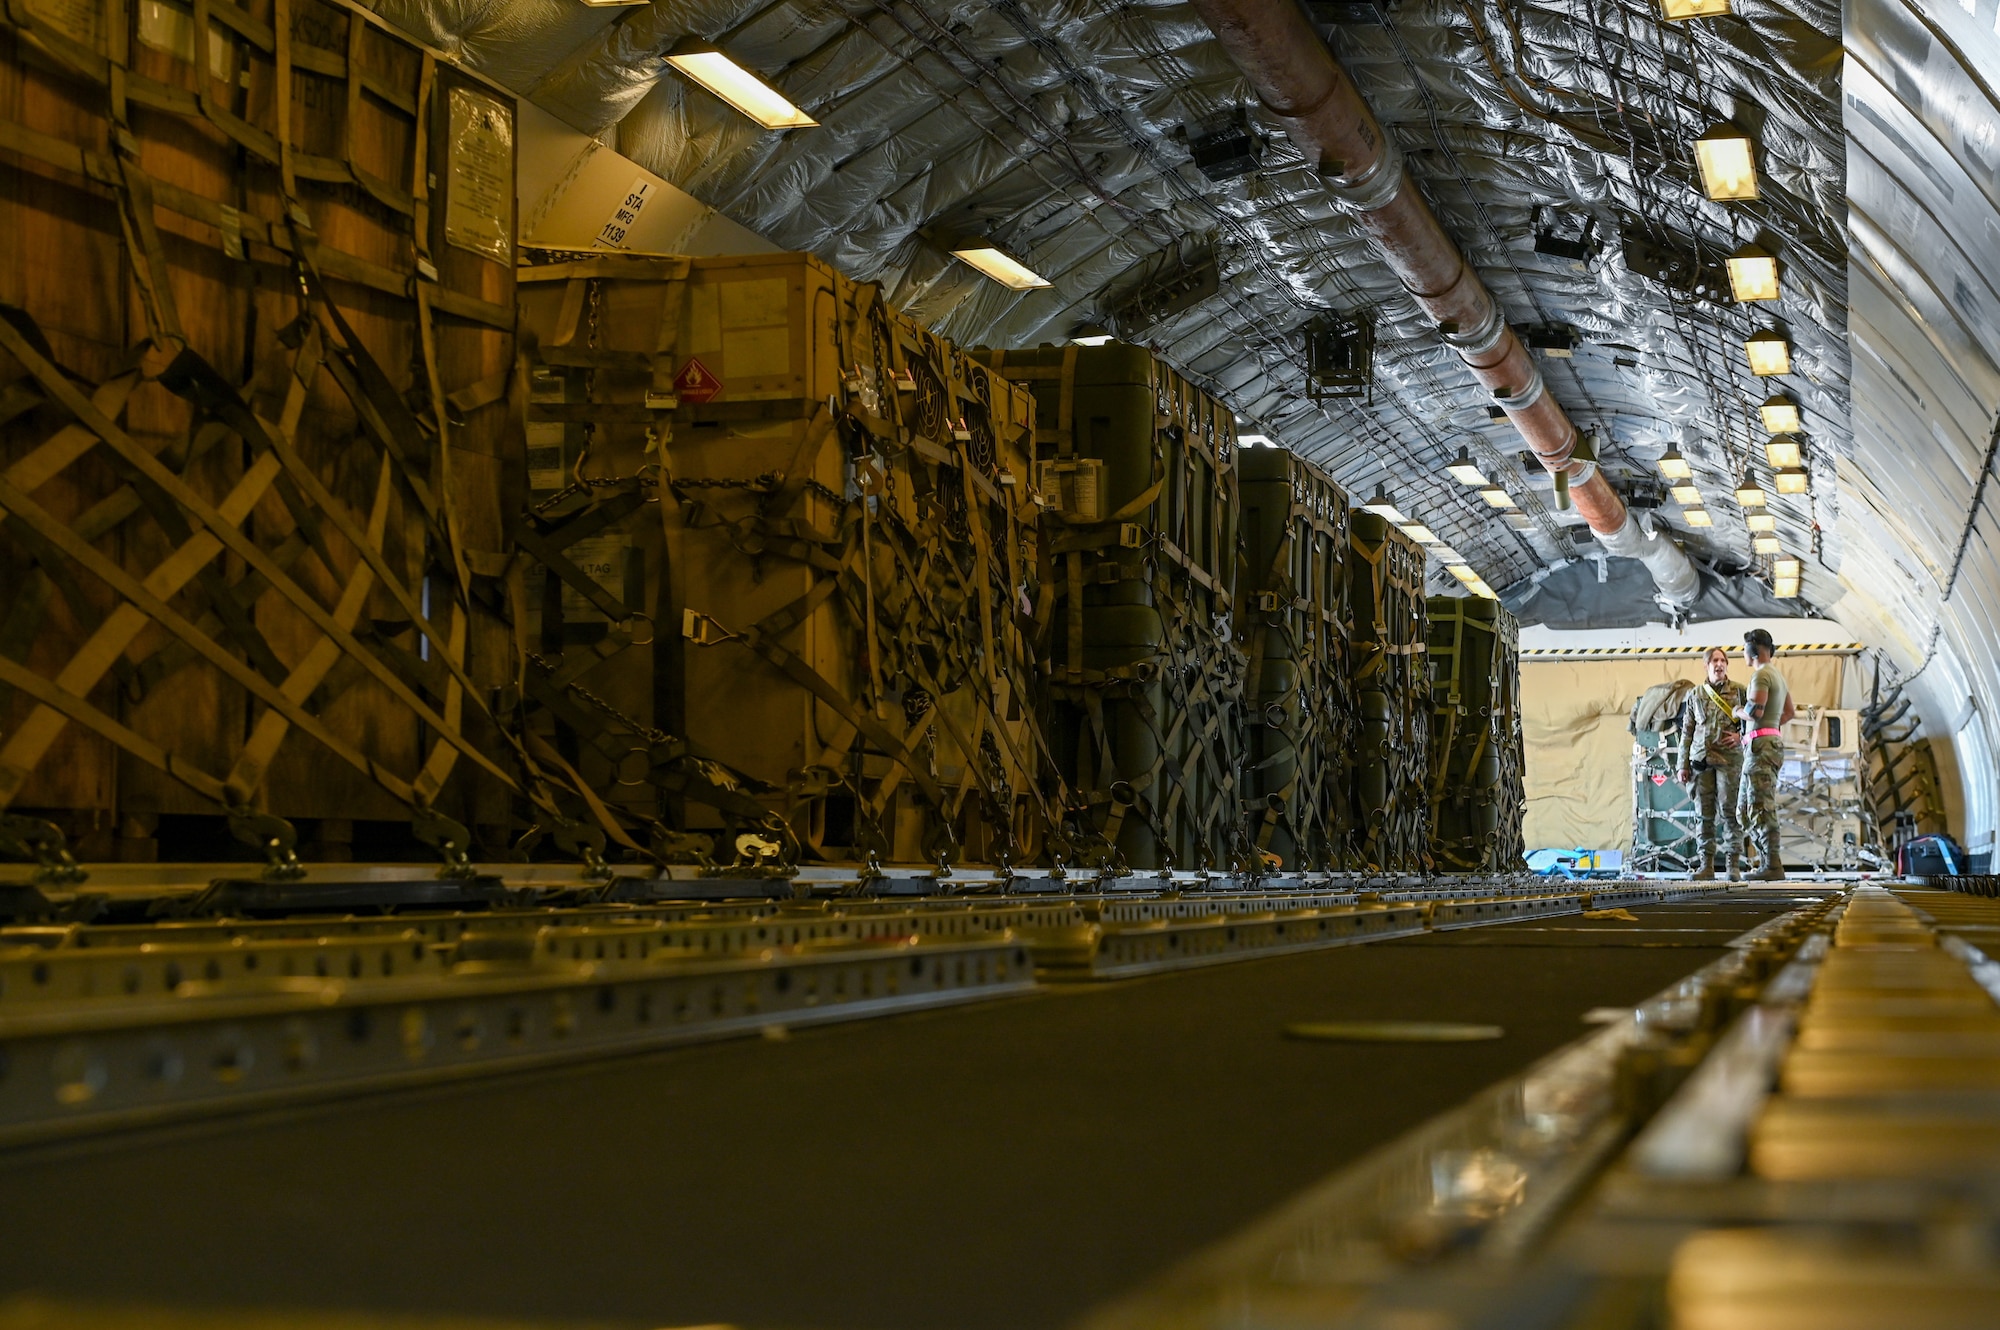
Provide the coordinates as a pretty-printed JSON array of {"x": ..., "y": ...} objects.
[
  {"x": 1757, "y": 800},
  {"x": 1715, "y": 795}
]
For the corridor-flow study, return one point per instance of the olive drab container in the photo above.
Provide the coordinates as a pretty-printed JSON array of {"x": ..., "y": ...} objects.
[
  {"x": 1299, "y": 694},
  {"x": 1134, "y": 609},
  {"x": 257, "y": 433},
  {"x": 1385, "y": 571},
  {"x": 779, "y": 541},
  {"x": 1476, "y": 796}
]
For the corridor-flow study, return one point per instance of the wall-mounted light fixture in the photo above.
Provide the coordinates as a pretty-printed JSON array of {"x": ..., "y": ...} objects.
[
  {"x": 1697, "y": 517},
  {"x": 708, "y": 66},
  {"x": 1790, "y": 566},
  {"x": 1420, "y": 533},
  {"x": 1091, "y": 334},
  {"x": 1753, "y": 274},
  {"x": 1761, "y": 522},
  {"x": 1496, "y": 497},
  {"x": 1463, "y": 572},
  {"x": 1770, "y": 352},
  {"x": 1781, "y": 414},
  {"x": 1519, "y": 520},
  {"x": 1749, "y": 494},
  {"x": 1765, "y": 544},
  {"x": 1781, "y": 451},
  {"x": 1687, "y": 496},
  {"x": 1675, "y": 467},
  {"x": 1728, "y": 167},
  {"x": 1792, "y": 480},
  {"x": 1676, "y": 11}
]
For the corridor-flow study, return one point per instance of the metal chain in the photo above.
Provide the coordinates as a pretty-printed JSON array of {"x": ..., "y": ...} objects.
[{"x": 650, "y": 733}]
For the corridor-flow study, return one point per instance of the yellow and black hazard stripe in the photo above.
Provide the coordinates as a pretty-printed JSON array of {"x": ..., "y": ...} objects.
[{"x": 1697, "y": 652}]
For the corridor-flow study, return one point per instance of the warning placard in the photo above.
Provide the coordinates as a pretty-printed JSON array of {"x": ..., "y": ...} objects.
[{"x": 695, "y": 384}]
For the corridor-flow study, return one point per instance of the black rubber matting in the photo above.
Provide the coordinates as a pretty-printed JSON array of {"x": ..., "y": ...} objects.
[{"x": 1007, "y": 1165}]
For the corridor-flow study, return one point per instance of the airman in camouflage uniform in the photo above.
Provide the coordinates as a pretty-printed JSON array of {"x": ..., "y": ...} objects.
[
  {"x": 1711, "y": 761},
  {"x": 1767, "y": 706}
]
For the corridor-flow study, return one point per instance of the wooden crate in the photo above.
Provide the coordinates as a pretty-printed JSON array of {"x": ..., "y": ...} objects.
[
  {"x": 777, "y": 539},
  {"x": 254, "y": 420}
]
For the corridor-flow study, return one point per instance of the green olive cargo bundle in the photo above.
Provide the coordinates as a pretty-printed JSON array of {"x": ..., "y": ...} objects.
[
  {"x": 1385, "y": 578},
  {"x": 1476, "y": 796},
  {"x": 1134, "y": 603},
  {"x": 254, "y": 358},
  {"x": 777, "y": 544},
  {"x": 1299, "y": 694}
]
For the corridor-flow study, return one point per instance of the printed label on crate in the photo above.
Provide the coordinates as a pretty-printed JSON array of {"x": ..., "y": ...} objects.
[
  {"x": 624, "y": 216},
  {"x": 696, "y": 384},
  {"x": 82, "y": 21},
  {"x": 602, "y": 560},
  {"x": 1075, "y": 488},
  {"x": 479, "y": 207},
  {"x": 547, "y": 469},
  {"x": 166, "y": 26}
]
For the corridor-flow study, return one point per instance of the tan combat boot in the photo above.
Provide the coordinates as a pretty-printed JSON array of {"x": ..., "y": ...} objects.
[
  {"x": 1706, "y": 873},
  {"x": 1774, "y": 863}
]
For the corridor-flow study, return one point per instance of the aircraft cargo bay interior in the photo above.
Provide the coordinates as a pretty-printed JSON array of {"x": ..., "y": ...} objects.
[{"x": 999, "y": 664}]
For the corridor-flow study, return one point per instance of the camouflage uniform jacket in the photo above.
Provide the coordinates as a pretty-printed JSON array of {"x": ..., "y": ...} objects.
[{"x": 1706, "y": 718}]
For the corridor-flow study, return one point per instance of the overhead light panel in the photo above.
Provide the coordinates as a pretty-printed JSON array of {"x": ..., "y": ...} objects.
[
  {"x": 1420, "y": 533},
  {"x": 1675, "y": 467},
  {"x": 1496, "y": 497},
  {"x": 1792, "y": 480},
  {"x": 1002, "y": 267},
  {"x": 1091, "y": 334},
  {"x": 1697, "y": 517},
  {"x": 1728, "y": 167},
  {"x": 1753, "y": 274},
  {"x": 1687, "y": 496},
  {"x": 1765, "y": 544},
  {"x": 1785, "y": 588},
  {"x": 1384, "y": 507},
  {"x": 1520, "y": 521},
  {"x": 1770, "y": 353},
  {"x": 1750, "y": 494},
  {"x": 1676, "y": 11},
  {"x": 1781, "y": 451},
  {"x": 1464, "y": 470},
  {"x": 1781, "y": 415},
  {"x": 1463, "y": 572},
  {"x": 1761, "y": 522},
  {"x": 1479, "y": 588},
  {"x": 715, "y": 71}
]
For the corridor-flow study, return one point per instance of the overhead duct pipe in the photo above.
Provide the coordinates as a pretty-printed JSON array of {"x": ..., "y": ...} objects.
[{"x": 1298, "y": 79}]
